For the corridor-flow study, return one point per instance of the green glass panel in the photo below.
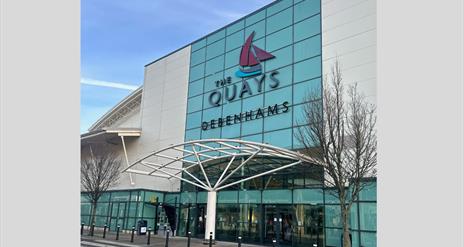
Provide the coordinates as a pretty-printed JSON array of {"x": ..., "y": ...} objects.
[
  {"x": 202, "y": 197},
  {"x": 354, "y": 216},
  {"x": 277, "y": 196},
  {"x": 297, "y": 144},
  {"x": 132, "y": 212},
  {"x": 135, "y": 196},
  {"x": 333, "y": 216},
  {"x": 212, "y": 113},
  {"x": 214, "y": 65},
  {"x": 121, "y": 196},
  {"x": 306, "y": 9},
  {"x": 197, "y": 72},
  {"x": 285, "y": 77},
  {"x": 307, "y": 90},
  {"x": 283, "y": 57},
  {"x": 216, "y": 36},
  {"x": 369, "y": 192},
  {"x": 227, "y": 197},
  {"x": 254, "y": 138},
  {"x": 307, "y": 28},
  {"x": 307, "y": 69},
  {"x": 210, "y": 82},
  {"x": 84, "y": 197},
  {"x": 231, "y": 72},
  {"x": 252, "y": 103},
  {"x": 231, "y": 131},
  {"x": 368, "y": 216},
  {"x": 172, "y": 198},
  {"x": 279, "y": 6},
  {"x": 188, "y": 197},
  {"x": 312, "y": 196},
  {"x": 215, "y": 49},
  {"x": 255, "y": 17},
  {"x": 331, "y": 197},
  {"x": 199, "y": 44},
  {"x": 235, "y": 41},
  {"x": 232, "y": 59},
  {"x": 193, "y": 120},
  {"x": 150, "y": 196},
  {"x": 235, "y": 27},
  {"x": 333, "y": 237},
  {"x": 193, "y": 134},
  {"x": 278, "y": 121},
  {"x": 307, "y": 48},
  {"x": 102, "y": 208},
  {"x": 85, "y": 208},
  {"x": 194, "y": 104},
  {"x": 368, "y": 239},
  {"x": 355, "y": 239},
  {"x": 278, "y": 21},
  {"x": 280, "y": 138},
  {"x": 100, "y": 221},
  {"x": 279, "y": 39},
  {"x": 259, "y": 28},
  {"x": 278, "y": 96},
  {"x": 250, "y": 196},
  {"x": 195, "y": 88},
  {"x": 231, "y": 108},
  {"x": 211, "y": 134},
  {"x": 252, "y": 127},
  {"x": 197, "y": 57}
]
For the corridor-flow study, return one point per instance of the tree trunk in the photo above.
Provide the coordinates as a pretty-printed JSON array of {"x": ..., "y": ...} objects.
[
  {"x": 346, "y": 226},
  {"x": 92, "y": 217}
]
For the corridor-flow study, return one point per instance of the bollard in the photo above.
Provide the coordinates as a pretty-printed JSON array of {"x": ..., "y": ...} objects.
[
  {"x": 210, "y": 239},
  {"x": 92, "y": 229},
  {"x": 274, "y": 243},
  {"x": 149, "y": 232},
  {"x": 189, "y": 234},
  {"x": 239, "y": 241},
  {"x": 167, "y": 239},
  {"x": 132, "y": 235},
  {"x": 117, "y": 232},
  {"x": 104, "y": 230},
  {"x": 82, "y": 228}
]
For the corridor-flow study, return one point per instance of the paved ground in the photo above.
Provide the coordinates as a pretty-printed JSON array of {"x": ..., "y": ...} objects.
[{"x": 155, "y": 240}]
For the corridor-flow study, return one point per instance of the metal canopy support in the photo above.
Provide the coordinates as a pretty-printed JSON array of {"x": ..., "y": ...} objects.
[
  {"x": 184, "y": 157},
  {"x": 127, "y": 159}
]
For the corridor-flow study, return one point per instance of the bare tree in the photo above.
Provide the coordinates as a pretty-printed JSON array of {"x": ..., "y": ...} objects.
[
  {"x": 99, "y": 171},
  {"x": 339, "y": 130}
]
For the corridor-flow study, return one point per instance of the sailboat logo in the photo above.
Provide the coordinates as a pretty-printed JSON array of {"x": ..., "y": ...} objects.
[{"x": 250, "y": 58}]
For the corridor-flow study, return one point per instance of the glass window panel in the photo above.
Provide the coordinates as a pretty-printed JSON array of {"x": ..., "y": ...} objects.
[
  {"x": 197, "y": 57},
  {"x": 210, "y": 81},
  {"x": 297, "y": 145},
  {"x": 308, "y": 28},
  {"x": 279, "y": 39},
  {"x": 254, "y": 138},
  {"x": 212, "y": 113},
  {"x": 102, "y": 208},
  {"x": 216, "y": 36},
  {"x": 283, "y": 57},
  {"x": 234, "y": 41},
  {"x": 231, "y": 108},
  {"x": 84, "y": 197},
  {"x": 331, "y": 196},
  {"x": 279, "y": 6},
  {"x": 120, "y": 196},
  {"x": 280, "y": 138},
  {"x": 202, "y": 197},
  {"x": 194, "y": 104},
  {"x": 197, "y": 72},
  {"x": 207, "y": 104},
  {"x": 214, "y": 65},
  {"x": 285, "y": 77},
  {"x": 194, "y": 120},
  {"x": 278, "y": 121},
  {"x": 195, "y": 88},
  {"x": 188, "y": 197},
  {"x": 231, "y": 71},
  {"x": 299, "y": 117},
  {"x": 231, "y": 131},
  {"x": 199, "y": 44},
  {"x": 306, "y": 9},
  {"x": 307, "y": 69},
  {"x": 211, "y": 133},
  {"x": 259, "y": 29},
  {"x": 105, "y": 197},
  {"x": 333, "y": 216},
  {"x": 150, "y": 196},
  {"x": 307, "y": 90},
  {"x": 333, "y": 237},
  {"x": 354, "y": 216},
  {"x": 278, "y": 96},
  {"x": 235, "y": 27},
  {"x": 252, "y": 127},
  {"x": 255, "y": 17},
  {"x": 279, "y": 21},
  {"x": 193, "y": 134},
  {"x": 368, "y": 216},
  {"x": 85, "y": 208},
  {"x": 369, "y": 239},
  {"x": 253, "y": 103},
  {"x": 313, "y": 196},
  {"x": 227, "y": 197},
  {"x": 369, "y": 192},
  {"x": 307, "y": 48},
  {"x": 277, "y": 196},
  {"x": 232, "y": 59},
  {"x": 133, "y": 209},
  {"x": 215, "y": 49},
  {"x": 135, "y": 196}
]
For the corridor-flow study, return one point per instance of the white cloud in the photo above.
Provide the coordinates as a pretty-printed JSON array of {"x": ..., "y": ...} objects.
[{"x": 99, "y": 83}]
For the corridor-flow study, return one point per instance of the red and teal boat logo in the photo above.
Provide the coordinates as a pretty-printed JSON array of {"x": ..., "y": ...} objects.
[{"x": 250, "y": 58}]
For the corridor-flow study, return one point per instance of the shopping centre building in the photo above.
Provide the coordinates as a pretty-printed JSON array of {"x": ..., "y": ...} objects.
[{"x": 213, "y": 127}]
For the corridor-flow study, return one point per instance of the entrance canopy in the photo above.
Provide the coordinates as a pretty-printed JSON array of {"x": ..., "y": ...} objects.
[{"x": 215, "y": 164}]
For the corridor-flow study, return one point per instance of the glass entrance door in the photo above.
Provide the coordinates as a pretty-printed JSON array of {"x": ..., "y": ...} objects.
[
  {"x": 200, "y": 220},
  {"x": 279, "y": 223},
  {"x": 118, "y": 213}
]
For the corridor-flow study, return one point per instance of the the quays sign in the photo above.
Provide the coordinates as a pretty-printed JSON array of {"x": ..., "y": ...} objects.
[{"x": 250, "y": 58}]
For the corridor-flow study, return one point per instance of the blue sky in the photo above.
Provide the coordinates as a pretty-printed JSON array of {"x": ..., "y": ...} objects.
[{"x": 119, "y": 37}]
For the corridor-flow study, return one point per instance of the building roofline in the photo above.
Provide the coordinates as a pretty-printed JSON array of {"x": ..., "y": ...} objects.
[{"x": 217, "y": 30}]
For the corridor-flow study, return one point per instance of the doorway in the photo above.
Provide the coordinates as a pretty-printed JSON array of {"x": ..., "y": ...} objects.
[
  {"x": 118, "y": 215},
  {"x": 279, "y": 224}
]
